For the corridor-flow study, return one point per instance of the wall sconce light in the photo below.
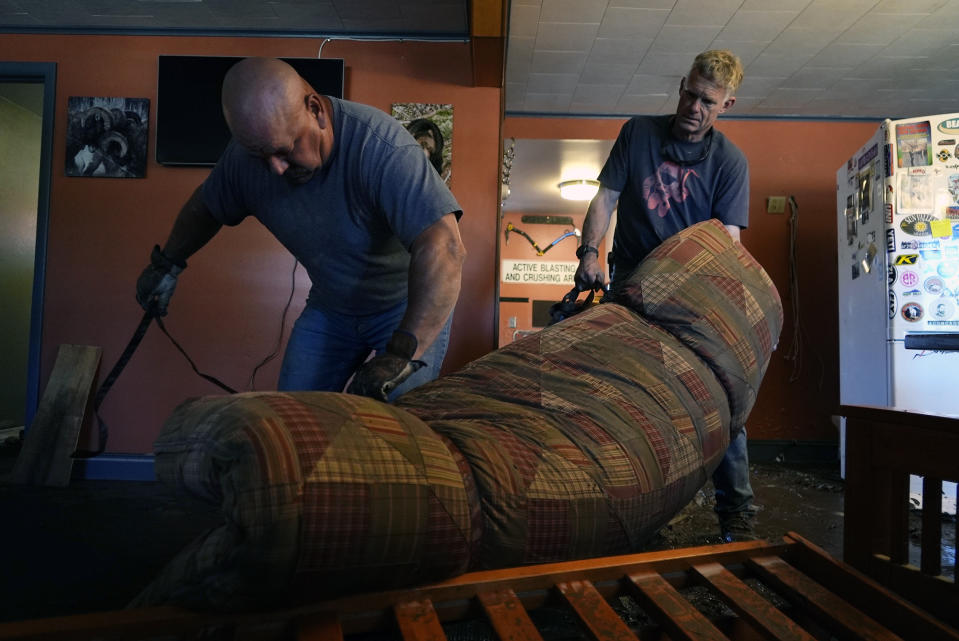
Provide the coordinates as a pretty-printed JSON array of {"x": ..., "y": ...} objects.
[{"x": 581, "y": 189}]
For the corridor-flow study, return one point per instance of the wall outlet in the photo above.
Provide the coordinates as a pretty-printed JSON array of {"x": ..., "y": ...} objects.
[
  {"x": 776, "y": 205},
  {"x": 511, "y": 323}
]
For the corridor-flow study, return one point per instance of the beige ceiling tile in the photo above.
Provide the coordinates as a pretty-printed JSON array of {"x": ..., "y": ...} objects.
[
  {"x": 523, "y": 21},
  {"x": 596, "y": 96},
  {"x": 841, "y": 54},
  {"x": 757, "y": 25},
  {"x": 643, "y": 103},
  {"x": 547, "y": 102},
  {"x": 624, "y": 22},
  {"x": 776, "y": 64},
  {"x": 552, "y": 83},
  {"x": 560, "y": 36},
  {"x": 810, "y": 77},
  {"x": 688, "y": 40},
  {"x": 653, "y": 84},
  {"x": 573, "y": 10},
  {"x": 618, "y": 50},
  {"x": 607, "y": 74},
  {"x": 557, "y": 62},
  {"x": 696, "y": 13}
]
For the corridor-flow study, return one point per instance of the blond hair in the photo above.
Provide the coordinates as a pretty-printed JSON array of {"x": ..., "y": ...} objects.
[{"x": 720, "y": 66}]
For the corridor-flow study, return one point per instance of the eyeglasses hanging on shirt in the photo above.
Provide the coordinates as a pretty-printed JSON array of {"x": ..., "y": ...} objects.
[{"x": 686, "y": 154}]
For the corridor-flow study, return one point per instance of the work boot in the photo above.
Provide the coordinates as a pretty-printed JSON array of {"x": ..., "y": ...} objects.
[{"x": 737, "y": 526}]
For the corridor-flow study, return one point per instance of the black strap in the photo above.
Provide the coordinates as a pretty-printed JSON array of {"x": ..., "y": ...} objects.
[{"x": 141, "y": 330}]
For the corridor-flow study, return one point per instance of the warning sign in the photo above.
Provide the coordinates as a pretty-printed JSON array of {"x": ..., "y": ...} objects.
[{"x": 558, "y": 272}]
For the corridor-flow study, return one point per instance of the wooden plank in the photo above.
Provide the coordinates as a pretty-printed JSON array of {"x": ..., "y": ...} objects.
[
  {"x": 674, "y": 613},
  {"x": 832, "y": 611},
  {"x": 931, "y": 560},
  {"x": 45, "y": 458},
  {"x": 876, "y": 600},
  {"x": 418, "y": 621},
  {"x": 744, "y": 601},
  {"x": 320, "y": 627},
  {"x": 595, "y": 613},
  {"x": 508, "y": 616}
]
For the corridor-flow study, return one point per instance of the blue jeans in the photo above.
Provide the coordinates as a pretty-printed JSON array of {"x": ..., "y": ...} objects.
[
  {"x": 731, "y": 479},
  {"x": 325, "y": 348}
]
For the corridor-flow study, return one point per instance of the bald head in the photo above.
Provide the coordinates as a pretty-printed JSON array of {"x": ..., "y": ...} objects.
[{"x": 260, "y": 92}]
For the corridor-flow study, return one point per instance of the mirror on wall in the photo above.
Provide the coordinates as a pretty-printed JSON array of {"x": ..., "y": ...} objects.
[{"x": 540, "y": 230}]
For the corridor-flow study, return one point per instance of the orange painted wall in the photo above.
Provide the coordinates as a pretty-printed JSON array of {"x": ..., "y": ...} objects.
[
  {"x": 227, "y": 309},
  {"x": 786, "y": 157}
]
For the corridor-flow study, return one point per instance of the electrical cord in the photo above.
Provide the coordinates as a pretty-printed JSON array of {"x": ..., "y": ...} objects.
[
  {"x": 279, "y": 339},
  {"x": 795, "y": 352}
]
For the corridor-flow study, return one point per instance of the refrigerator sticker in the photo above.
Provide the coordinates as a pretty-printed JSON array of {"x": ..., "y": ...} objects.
[
  {"x": 953, "y": 183},
  {"x": 909, "y": 244},
  {"x": 851, "y": 220},
  {"x": 913, "y": 144},
  {"x": 947, "y": 270},
  {"x": 893, "y": 304},
  {"x": 917, "y": 224},
  {"x": 865, "y": 195},
  {"x": 912, "y": 312},
  {"x": 950, "y": 126},
  {"x": 946, "y": 142},
  {"x": 912, "y": 292},
  {"x": 941, "y": 228},
  {"x": 933, "y": 285},
  {"x": 944, "y": 309},
  {"x": 909, "y": 278},
  {"x": 907, "y": 259},
  {"x": 870, "y": 258},
  {"x": 943, "y": 155},
  {"x": 890, "y": 240},
  {"x": 915, "y": 193},
  {"x": 891, "y": 275}
]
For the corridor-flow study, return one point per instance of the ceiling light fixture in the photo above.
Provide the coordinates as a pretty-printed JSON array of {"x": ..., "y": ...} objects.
[{"x": 580, "y": 189}]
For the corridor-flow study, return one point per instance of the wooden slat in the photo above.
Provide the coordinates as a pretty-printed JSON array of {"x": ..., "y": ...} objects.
[
  {"x": 833, "y": 611},
  {"x": 897, "y": 493},
  {"x": 508, "y": 616},
  {"x": 418, "y": 621},
  {"x": 595, "y": 613},
  {"x": 744, "y": 601},
  {"x": 931, "y": 560},
  {"x": 674, "y": 613},
  {"x": 878, "y": 601},
  {"x": 320, "y": 627},
  {"x": 48, "y": 444}
]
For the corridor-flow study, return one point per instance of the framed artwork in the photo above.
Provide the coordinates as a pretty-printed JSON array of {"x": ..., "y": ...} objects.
[
  {"x": 107, "y": 137},
  {"x": 432, "y": 126}
]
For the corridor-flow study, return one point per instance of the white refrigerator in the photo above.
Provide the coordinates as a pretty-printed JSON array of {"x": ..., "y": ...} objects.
[{"x": 897, "y": 200}]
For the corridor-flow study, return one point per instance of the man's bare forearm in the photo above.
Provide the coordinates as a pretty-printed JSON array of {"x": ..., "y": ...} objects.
[
  {"x": 598, "y": 215},
  {"x": 193, "y": 228},
  {"x": 436, "y": 270}
]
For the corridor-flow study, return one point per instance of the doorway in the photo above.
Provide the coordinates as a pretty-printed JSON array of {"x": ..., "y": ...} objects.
[{"x": 26, "y": 131}]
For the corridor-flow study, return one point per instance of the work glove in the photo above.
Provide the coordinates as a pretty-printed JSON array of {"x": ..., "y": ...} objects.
[
  {"x": 380, "y": 375},
  {"x": 157, "y": 282}
]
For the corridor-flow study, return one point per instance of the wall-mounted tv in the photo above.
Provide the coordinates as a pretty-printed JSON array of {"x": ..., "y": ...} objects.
[{"x": 190, "y": 129}]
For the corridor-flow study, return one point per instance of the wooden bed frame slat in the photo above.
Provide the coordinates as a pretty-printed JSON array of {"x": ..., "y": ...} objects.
[
  {"x": 677, "y": 615},
  {"x": 594, "y": 612},
  {"x": 828, "y": 607},
  {"x": 749, "y": 605},
  {"x": 507, "y": 615}
]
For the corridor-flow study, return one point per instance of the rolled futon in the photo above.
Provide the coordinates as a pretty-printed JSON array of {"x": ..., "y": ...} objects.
[{"x": 578, "y": 441}]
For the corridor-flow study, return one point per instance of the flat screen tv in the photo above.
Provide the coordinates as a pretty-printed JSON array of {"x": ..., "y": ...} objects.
[{"x": 190, "y": 129}]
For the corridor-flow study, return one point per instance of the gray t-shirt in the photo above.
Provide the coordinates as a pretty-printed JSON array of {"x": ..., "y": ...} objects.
[
  {"x": 659, "y": 196},
  {"x": 352, "y": 224}
]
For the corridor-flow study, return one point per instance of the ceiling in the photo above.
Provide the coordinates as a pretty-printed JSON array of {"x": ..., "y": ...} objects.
[
  {"x": 803, "y": 58},
  {"x": 606, "y": 58}
]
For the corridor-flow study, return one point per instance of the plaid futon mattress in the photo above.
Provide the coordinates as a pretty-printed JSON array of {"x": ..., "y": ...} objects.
[{"x": 578, "y": 441}]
